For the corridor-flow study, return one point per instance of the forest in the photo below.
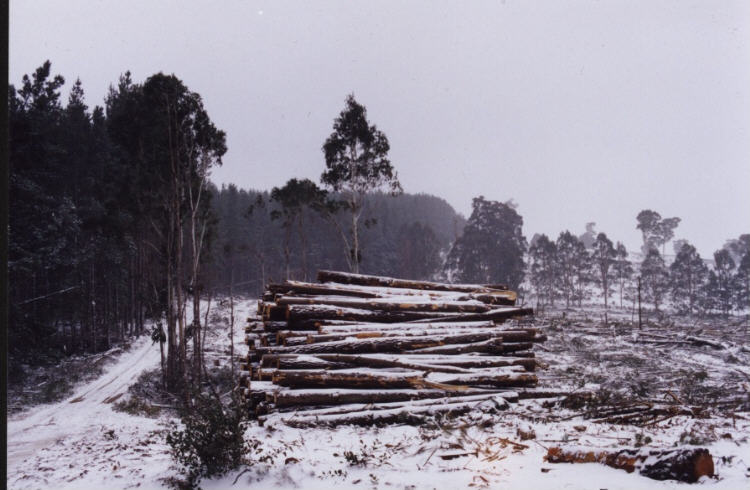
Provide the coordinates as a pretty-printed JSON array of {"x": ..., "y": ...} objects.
[
  {"x": 123, "y": 251},
  {"x": 114, "y": 220}
]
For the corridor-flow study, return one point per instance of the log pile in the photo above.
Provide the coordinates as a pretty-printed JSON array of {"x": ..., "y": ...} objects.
[{"x": 358, "y": 349}]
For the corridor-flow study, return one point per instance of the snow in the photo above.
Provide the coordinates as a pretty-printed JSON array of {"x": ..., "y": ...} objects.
[{"x": 82, "y": 442}]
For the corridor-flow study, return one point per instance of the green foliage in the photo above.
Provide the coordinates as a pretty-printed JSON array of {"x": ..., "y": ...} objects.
[
  {"x": 688, "y": 275},
  {"x": 655, "y": 277},
  {"x": 356, "y": 155},
  {"x": 544, "y": 268},
  {"x": 574, "y": 266},
  {"x": 492, "y": 247},
  {"x": 655, "y": 230},
  {"x": 604, "y": 257},
  {"x": 211, "y": 441}
]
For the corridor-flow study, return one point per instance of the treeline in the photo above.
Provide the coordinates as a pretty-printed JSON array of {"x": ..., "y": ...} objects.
[
  {"x": 406, "y": 236},
  {"x": 570, "y": 268},
  {"x": 114, "y": 221},
  {"x": 109, "y": 215}
]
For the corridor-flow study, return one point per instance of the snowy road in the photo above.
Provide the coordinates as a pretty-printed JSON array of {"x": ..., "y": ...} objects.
[{"x": 44, "y": 444}]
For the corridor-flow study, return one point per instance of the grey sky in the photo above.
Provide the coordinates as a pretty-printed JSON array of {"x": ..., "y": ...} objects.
[{"x": 580, "y": 111}]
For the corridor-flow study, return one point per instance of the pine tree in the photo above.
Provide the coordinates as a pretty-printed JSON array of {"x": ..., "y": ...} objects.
[
  {"x": 724, "y": 290},
  {"x": 418, "y": 251},
  {"x": 623, "y": 268},
  {"x": 742, "y": 284},
  {"x": 574, "y": 267},
  {"x": 688, "y": 274},
  {"x": 543, "y": 257},
  {"x": 655, "y": 277},
  {"x": 297, "y": 198},
  {"x": 604, "y": 257}
]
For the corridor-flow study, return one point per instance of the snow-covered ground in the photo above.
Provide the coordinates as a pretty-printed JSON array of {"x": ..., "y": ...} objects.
[{"x": 82, "y": 442}]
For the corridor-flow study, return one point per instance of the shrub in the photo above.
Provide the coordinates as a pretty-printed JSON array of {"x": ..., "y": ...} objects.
[{"x": 211, "y": 442}]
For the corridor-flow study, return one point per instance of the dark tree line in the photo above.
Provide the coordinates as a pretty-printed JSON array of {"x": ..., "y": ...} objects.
[
  {"x": 114, "y": 222},
  {"x": 110, "y": 215}
]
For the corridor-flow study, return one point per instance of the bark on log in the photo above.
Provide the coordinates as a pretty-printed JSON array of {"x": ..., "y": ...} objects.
[
  {"x": 418, "y": 345},
  {"x": 492, "y": 346},
  {"x": 384, "y": 327},
  {"x": 365, "y": 280},
  {"x": 359, "y": 407},
  {"x": 471, "y": 335},
  {"x": 398, "y": 380},
  {"x": 307, "y": 398},
  {"x": 388, "y": 304},
  {"x": 409, "y": 415},
  {"x": 499, "y": 297},
  {"x": 397, "y": 362},
  {"x": 686, "y": 465},
  {"x": 497, "y": 315},
  {"x": 317, "y": 379},
  {"x": 297, "y": 314}
]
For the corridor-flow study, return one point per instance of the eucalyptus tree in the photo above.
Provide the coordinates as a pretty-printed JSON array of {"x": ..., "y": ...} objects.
[{"x": 356, "y": 155}]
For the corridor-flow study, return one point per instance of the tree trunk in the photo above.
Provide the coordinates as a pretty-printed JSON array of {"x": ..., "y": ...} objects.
[{"x": 687, "y": 465}]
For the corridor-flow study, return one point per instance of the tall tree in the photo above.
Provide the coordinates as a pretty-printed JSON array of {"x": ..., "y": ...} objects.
[
  {"x": 604, "y": 257},
  {"x": 543, "y": 257},
  {"x": 655, "y": 277},
  {"x": 589, "y": 236},
  {"x": 665, "y": 231},
  {"x": 623, "y": 268},
  {"x": 297, "y": 198},
  {"x": 742, "y": 281},
  {"x": 724, "y": 289},
  {"x": 648, "y": 223},
  {"x": 688, "y": 274},
  {"x": 574, "y": 267},
  {"x": 356, "y": 155},
  {"x": 165, "y": 131},
  {"x": 492, "y": 246},
  {"x": 655, "y": 230}
]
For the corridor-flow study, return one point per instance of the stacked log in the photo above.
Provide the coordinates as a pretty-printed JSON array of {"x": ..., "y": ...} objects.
[{"x": 378, "y": 350}]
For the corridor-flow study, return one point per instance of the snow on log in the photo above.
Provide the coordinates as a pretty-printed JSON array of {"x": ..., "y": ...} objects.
[
  {"x": 410, "y": 414},
  {"x": 365, "y": 280}
]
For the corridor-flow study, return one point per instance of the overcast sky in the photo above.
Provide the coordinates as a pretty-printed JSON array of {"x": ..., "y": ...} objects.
[{"x": 579, "y": 111}]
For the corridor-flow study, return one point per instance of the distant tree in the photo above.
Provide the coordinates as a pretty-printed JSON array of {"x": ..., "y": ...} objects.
[
  {"x": 356, "y": 155},
  {"x": 574, "y": 267},
  {"x": 665, "y": 231},
  {"x": 297, "y": 198},
  {"x": 655, "y": 230},
  {"x": 604, "y": 257},
  {"x": 688, "y": 274},
  {"x": 742, "y": 282},
  {"x": 543, "y": 257},
  {"x": 622, "y": 267},
  {"x": 418, "y": 251},
  {"x": 677, "y": 245},
  {"x": 724, "y": 290},
  {"x": 589, "y": 237},
  {"x": 738, "y": 247},
  {"x": 492, "y": 246},
  {"x": 648, "y": 223},
  {"x": 655, "y": 277}
]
